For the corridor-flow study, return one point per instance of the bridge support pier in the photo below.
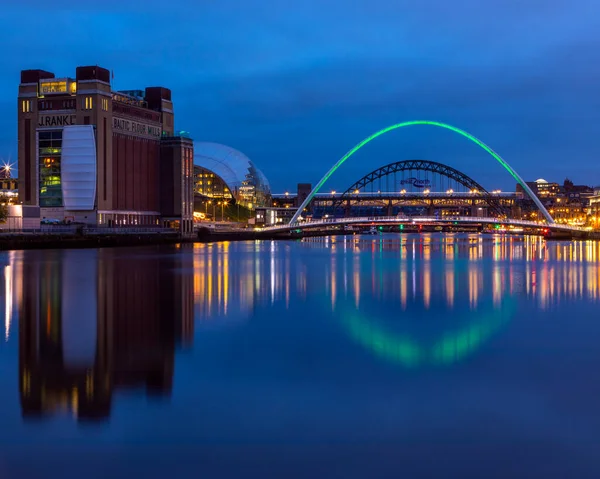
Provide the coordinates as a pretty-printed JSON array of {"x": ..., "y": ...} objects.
[{"x": 347, "y": 209}]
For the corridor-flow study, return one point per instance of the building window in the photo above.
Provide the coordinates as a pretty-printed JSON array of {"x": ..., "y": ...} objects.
[
  {"x": 88, "y": 103},
  {"x": 26, "y": 106},
  {"x": 49, "y": 155},
  {"x": 105, "y": 104}
]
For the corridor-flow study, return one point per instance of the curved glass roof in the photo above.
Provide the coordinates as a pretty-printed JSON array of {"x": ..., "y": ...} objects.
[{"x": 234, "y": 168}]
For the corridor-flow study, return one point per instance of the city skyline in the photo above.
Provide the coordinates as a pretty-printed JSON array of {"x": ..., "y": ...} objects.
[{"x": 295, "y": 88}]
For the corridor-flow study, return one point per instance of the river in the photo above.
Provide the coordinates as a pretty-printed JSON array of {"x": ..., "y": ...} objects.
[{"x": 432, "y": 355}]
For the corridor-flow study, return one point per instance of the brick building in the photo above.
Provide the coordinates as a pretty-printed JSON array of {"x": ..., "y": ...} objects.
[{"x": 93, "y": 155}]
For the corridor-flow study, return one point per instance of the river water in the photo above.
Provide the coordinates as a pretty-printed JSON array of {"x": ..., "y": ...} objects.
[{"x": 359, "y": 356}]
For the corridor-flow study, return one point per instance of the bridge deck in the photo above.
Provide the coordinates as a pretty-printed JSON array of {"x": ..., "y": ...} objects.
[{"x": 383, "y": 220}]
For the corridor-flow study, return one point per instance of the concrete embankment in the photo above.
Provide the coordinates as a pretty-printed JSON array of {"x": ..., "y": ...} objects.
[
  {"x": 53, "y": 241},
  {"x": 206, "y": 235},
  {"x": 43, "y": 240}
]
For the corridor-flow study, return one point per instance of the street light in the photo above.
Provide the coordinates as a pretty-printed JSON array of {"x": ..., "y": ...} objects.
[{"x": 222, "y": 209}]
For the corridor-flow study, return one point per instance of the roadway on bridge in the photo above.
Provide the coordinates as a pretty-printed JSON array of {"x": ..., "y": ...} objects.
[{"x": 393, "y": 220}]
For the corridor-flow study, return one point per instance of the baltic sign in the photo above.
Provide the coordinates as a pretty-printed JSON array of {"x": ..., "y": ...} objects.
[
  {"x": 416, "y": 182},
  {"x": 57, "y": 120},
  {"x": 136, "y": 128}
]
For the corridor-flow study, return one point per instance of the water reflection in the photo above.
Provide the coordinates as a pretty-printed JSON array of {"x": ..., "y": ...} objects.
[
  {"x": 472, "y": 282},
  {"x": 93, "y": 322},
  {"x": 548, "y": 271}
]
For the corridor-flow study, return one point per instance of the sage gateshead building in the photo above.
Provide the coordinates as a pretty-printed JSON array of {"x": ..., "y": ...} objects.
[
  {"x": 222, "y": 173},
  {"x": 92, "y": 155}
]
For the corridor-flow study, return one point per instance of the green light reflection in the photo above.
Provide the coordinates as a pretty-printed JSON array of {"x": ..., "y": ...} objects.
[{"x": 410, "y": 353}]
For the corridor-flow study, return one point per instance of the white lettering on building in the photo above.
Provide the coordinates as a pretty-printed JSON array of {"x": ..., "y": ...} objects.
[
  {"x": 57, "y": 120},
  {"x": 136, "y": 128}
]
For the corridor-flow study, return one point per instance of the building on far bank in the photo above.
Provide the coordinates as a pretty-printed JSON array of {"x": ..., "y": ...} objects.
[
  {"x": 223, "y": 173},
  {"x": 542, "y": 189},
  {"x": 272, "y": 216},
  {"x": 7, "y": 182},
  {"x": 93, "y": 155}
]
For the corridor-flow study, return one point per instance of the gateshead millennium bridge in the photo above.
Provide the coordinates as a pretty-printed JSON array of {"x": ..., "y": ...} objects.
[{"x": 416, "y": 192}]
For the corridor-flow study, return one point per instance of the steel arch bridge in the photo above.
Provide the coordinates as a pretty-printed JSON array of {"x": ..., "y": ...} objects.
[
  {"x": 453, "y": 176},
  {"x": 414, "y": 165},
  {"x": 438, "y": 124}
]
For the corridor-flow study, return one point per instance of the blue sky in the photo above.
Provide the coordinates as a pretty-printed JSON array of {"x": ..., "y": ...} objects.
[{"x": 296, "y": 85}]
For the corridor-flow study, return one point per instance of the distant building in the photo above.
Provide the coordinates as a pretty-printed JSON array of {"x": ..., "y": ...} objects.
[
  {"x": 303, "y": 191},
  {"x": 223, "y": 173},
  {"x": 89, "y": 154},
  {"x": 593, "y": 208},
  {"x": 572, "y": 213},
  {"x": 270, "y": 216},
  {"x": 5, "y": 173},
  {"x": 210, "y": 185},
  {"x": 9, "y": 184},
  {"x": 541, "y": 188}
]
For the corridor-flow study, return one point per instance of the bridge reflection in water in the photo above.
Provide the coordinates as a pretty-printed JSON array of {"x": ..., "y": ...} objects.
[
  {"x": 95, "y": 321},
  {"x": 229, "y": 289},
  {"x": 473, "y": 278},
  {"x": 91, "y": 322}
]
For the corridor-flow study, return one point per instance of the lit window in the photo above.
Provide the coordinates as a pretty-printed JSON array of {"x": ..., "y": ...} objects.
[
  {"x": 26, "y": 106},
  {"x": 105, "y": 104},
  {"x": 88, "y": 103}
]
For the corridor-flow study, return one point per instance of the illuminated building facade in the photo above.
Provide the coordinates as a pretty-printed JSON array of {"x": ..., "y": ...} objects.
[
  {"x": 90, "y": 154},
  {"x": 9, "y": 184},
  {"x": 542, "y": 188},
  {"x": 210, "y": 185},
  {"x": 5, "y": 172},
  {"x": 572, "y": 213},
  {"x": 224, "y": 173},
  {"x": 593, "y": 209}
]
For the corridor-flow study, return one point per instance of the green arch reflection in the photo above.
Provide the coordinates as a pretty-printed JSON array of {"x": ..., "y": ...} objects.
[{"x": 409, "y": 352}]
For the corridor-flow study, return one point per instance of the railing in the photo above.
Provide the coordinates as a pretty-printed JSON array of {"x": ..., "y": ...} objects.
[
  {"x": 51, "y": 230},
  {"x": 417, "y": 220},
  {"x": 408, "y": 194},
  {"x": 105, "y": 230},
  {"x": 87, "y": 230}
]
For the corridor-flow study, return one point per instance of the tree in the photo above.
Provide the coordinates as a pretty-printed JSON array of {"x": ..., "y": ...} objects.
[{"x": 3, "y": 213}]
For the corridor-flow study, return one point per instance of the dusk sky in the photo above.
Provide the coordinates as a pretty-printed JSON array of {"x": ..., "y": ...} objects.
[{"x": 294, "y": 85}]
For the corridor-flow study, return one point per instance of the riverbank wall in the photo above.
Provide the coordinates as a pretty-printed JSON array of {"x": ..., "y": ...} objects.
[
  {"x": 61, "y": 241},
  {"x": 48, "y": 240}
]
